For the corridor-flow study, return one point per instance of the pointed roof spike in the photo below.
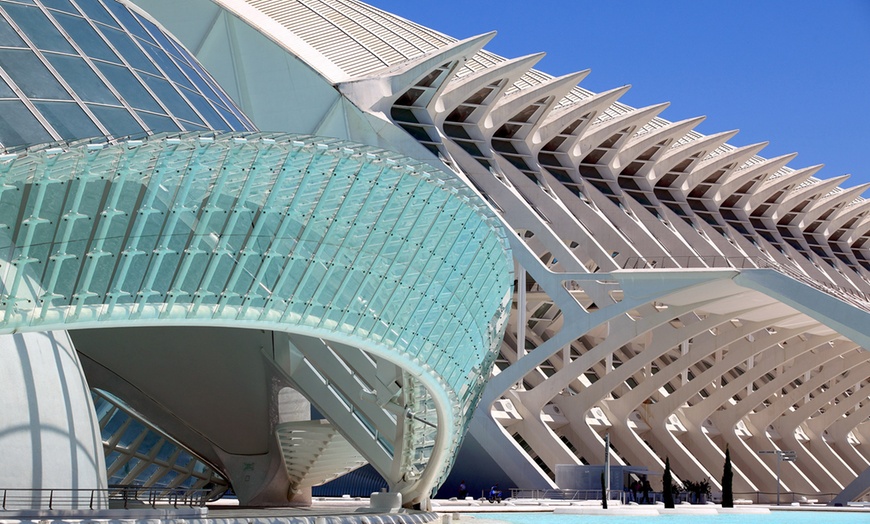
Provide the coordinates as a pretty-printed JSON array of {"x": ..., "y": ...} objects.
[
  {"x": 849, "y": 212},
  {"x": 846, "y": 195},
  {"x": 708, "y": 166},
  {"x": 820, "y": 187},
  {"x": 811, "y": 189},
  {"x": 747, "y": 151},
  {"x": 771, "y": 186},
  {"x": 556, "y": 121},
  {"x": 856, "y": 230},
  {"x": 459, "y": 90},
  {"x": 851, "y": 192},
  {"x": 709, "y": 142},
  {"x": 742, "y": 175},
  {"x": 601, "y": 131},
  {"x": 682, "y": 152},
  {"x": 379, "y": 90},
  {"x": 637, "y": 145},
  {"x": 510, "y": 105}
]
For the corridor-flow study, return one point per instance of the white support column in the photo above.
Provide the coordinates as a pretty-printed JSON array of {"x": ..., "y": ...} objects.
[
  {"x": 49, "y": 432},
  {"x": 521, "y": 311}
]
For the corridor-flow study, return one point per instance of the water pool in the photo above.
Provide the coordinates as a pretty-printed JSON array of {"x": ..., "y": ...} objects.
[{"x": 774, "y": 517}]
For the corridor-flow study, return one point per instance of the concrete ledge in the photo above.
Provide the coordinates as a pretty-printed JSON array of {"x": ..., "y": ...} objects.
[
  {"x": 271, "y": 517},
  {"x": 106, "y": 514},
  {"x": 743, "y": 510}
]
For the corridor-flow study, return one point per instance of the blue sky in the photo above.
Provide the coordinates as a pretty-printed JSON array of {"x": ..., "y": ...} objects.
[{"x": 793, "y": 73}]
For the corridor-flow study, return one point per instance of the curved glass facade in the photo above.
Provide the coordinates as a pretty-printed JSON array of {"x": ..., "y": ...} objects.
[
  {"x": 72, "y": 69},
  {"x": 282, "y": 230},
  {"x": 311, "y": 236}
]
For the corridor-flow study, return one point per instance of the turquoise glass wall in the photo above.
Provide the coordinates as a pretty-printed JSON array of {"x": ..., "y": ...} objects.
[{"x": 290, "y": 233}]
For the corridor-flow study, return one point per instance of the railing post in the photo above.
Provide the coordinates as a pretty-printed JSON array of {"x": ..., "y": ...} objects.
[{"x": 50, "y": 499}]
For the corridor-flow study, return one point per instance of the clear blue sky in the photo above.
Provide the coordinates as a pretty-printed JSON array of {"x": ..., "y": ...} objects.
[{"x": 795, "y": 73}]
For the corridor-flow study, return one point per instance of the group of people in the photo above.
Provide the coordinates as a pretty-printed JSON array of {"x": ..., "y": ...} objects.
[
  {"x": 494, "y": 495},
  {"x": 639, "y": 491}
]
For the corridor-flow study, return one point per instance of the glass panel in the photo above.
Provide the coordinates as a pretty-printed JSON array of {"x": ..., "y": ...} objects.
[
  {"x": 5, "y": 90},
  {"x": 167, "y": 65},
  {"x": 157, "y": 123},
  {"x": 235, "y": 123},
  {"x": 144, "y": 476},
  {"x": 8, "y": 35},
  {"x": 160, "y": 38},
  {"x": 129, "y": 50},
  {"x": 117, "y": 120},
  {"x": 19, "y": 127},
  {"x": 31, "y": 76},
  {"x": 129, "y": 87},
  {"x": 202, "y": 86},
  {"x": 207, "y": 111},
  {"x": 128, "y": 20},
  {"x": 166, "y": 451},
  {"x": 222, "y": 96},
  {"x": 86, "y": 37},
  {"x": 129, "y": 466},
  {"x": 63, "y": 5},
  {"x": 86, "y": 84},
  {"x": 133, "y": 431},
  {"x": 95, "y": 11},
  {"x": 169, "y": 96},
  {"x": 38, "y": 28},
  {"x": 68, "y": 119}
]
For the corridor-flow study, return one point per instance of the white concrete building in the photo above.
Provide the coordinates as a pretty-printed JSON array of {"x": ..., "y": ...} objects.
[{"x": 680, "y": 293}]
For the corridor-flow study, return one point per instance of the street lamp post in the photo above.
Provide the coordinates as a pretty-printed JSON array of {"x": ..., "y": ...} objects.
[
  {"x": 781, "y": 456},
  {"x": 607, "y": 466}
]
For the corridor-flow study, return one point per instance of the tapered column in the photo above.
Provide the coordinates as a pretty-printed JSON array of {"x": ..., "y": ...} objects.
[{"x": 48, "y": 428}]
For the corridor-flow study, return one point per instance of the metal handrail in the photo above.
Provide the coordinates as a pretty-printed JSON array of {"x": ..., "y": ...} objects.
[
  {"x": 758, "y": 497},
  {"x": 71, "y": 498},
  {"x": 567, "y": 494},
  {"x": 788, "y": 497}
]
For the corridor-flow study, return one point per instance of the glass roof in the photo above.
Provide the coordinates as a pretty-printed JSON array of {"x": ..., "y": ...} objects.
[{"x": 72, "y": 69}]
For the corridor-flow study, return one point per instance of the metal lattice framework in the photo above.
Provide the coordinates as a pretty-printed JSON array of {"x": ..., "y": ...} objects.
[{"x": 138, "y": 454}]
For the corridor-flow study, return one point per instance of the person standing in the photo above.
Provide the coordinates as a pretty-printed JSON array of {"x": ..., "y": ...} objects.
[{"x": 646, "y": 489}]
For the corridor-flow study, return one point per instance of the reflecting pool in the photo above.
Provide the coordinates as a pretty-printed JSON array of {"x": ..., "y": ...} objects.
[{"x": 774, "y": 517}]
